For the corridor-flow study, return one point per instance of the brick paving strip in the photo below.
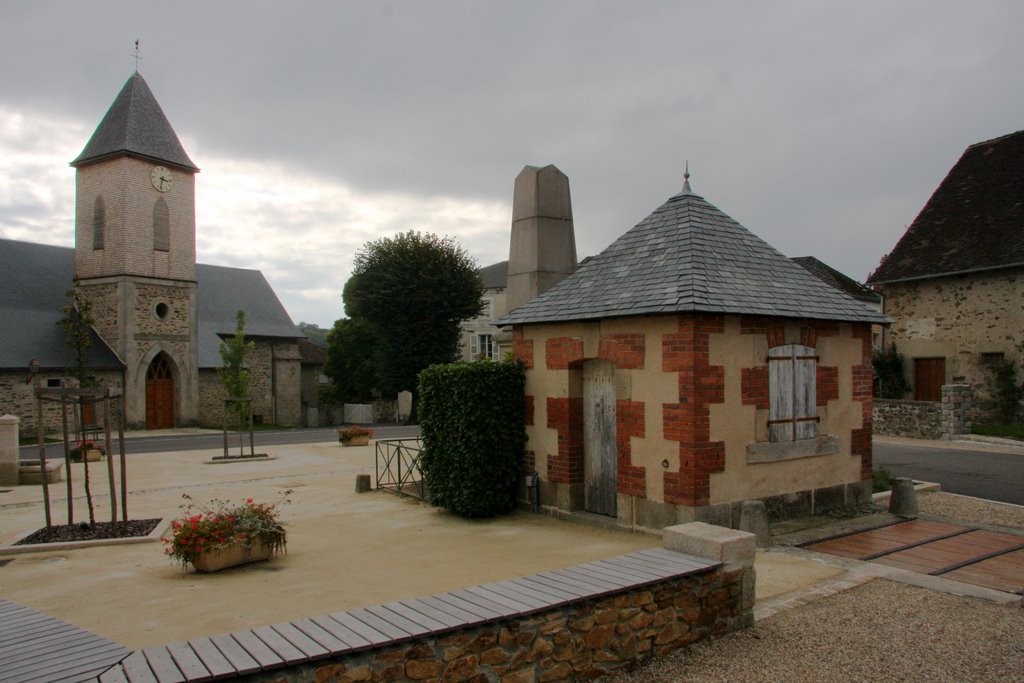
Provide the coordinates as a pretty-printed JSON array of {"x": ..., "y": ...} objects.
[{"x": 962, "y": 553}]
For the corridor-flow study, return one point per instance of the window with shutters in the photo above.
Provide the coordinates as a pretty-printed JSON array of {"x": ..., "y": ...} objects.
[
  {"x": 99, "y": 223},
  {"x": 792, "y": 377},
  {"x": 161, "y": 226},
  {"x": 481, "y": 346}
]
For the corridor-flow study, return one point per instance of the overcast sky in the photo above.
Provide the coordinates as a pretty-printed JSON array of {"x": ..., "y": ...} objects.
[{"x": 823, "y": 127}]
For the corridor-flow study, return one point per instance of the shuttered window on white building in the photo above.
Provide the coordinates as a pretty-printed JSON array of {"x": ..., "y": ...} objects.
[{"x": 792, "y": 378}]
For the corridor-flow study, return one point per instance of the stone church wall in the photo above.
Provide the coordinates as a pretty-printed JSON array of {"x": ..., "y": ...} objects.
[
  {"x": 268, "y": 358},
  {"x": 17, "y": 397}
]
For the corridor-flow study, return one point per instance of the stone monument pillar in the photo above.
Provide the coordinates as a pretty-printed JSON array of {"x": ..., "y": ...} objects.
[
  {"x": 9, "y": 450},
  {"x": 543, "y": 247}
]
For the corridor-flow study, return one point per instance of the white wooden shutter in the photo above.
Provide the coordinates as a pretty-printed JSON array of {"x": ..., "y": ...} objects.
[{"x": 792, "y": 380}]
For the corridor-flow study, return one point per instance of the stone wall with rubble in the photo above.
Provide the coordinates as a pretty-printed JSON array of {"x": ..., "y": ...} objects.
[
  {"x": 577, "y": 642},
  {"x": 926, "y": 419},
  {"x": 962, "y": 318}
]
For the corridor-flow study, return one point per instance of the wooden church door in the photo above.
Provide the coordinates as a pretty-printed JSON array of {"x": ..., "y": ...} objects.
[
  {"x": 599, "y": 450},
  {"x": 159, "y": 394}
]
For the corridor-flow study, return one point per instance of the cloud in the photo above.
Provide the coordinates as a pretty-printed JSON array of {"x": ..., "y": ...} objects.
[{"x": 822, "y": 127}]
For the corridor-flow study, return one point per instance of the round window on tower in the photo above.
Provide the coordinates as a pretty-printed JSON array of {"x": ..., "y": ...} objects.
[{"x": 162, "y": 310}]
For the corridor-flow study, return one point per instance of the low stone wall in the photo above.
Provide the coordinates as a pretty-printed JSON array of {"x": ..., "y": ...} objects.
[
  {"x": 580, "y": 642},
  {"x": 567, "y": 625},
  {"x": 914, "y": 419},
  {"x": 926, "y": 419}
]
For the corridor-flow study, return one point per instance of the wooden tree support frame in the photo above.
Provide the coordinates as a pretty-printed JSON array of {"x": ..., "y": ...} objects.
[
  {"x": 78, "y": 397},
  {"x": 246, "y": 406}
]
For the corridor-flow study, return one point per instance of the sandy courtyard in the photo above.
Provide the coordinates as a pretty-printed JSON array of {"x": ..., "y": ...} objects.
[{"x": 345, "y": 550}]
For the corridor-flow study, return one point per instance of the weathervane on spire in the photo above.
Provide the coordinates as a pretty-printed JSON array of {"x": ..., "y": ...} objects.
[
  {"x": 686, "y": 178},
  {"x": 137, "y": 55}
]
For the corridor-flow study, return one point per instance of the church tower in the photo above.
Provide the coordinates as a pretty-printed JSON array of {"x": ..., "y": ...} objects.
[{"x": 135, "y": 255}]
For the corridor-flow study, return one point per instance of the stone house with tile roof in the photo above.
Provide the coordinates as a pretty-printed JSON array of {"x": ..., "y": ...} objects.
[
  {"x": 954, "y": 283},
  {"x": 845, "y": 283},
  {"x": 479, "y": 334},
  {"x": 159, "y": 316},
  {"x": 690, "y": 367}
]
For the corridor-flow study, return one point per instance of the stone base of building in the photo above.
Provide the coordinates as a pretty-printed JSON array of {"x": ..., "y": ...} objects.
[{"x": 564, "y": 500}]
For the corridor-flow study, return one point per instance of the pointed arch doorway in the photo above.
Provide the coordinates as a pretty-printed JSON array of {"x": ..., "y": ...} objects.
[{"x": 160, "y": 393}]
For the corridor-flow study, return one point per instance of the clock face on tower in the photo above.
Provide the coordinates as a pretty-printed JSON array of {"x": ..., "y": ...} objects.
[{"x": 161, "y": 179}]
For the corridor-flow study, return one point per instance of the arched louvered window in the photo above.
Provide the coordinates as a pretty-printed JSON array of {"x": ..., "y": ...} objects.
[
  {"x": 161, "y": 226},
  {"x": 792, "y": 385},
  {"x": 99, "y": 223}
]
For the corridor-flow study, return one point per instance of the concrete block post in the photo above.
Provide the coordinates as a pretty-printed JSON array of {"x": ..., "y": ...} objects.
[
  {"x": 737, "y": 550},
  {"x": 9, "y": 450},
  {"x": 754, "y": 519},
  {"x": 903, "y": 497}
]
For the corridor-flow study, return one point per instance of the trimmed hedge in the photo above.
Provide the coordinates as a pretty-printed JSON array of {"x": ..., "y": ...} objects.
[{"x": 472, "y": 422}]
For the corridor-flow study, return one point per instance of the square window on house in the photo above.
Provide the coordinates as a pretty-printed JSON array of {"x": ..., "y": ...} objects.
[
  {"x": 54, "y": 383},
  {"x": 792, "y": 392},
  {"x": 993, "y": 358}
]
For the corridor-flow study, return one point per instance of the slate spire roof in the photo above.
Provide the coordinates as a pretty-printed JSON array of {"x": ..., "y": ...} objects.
[
  {"x": 973, "y": 221},
  {"x": 688, "y": 256},
  {"x": 135, "y": 125}
]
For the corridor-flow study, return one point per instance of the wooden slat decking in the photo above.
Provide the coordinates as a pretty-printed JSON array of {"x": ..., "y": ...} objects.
[
  {"x": 37, "y": 647},
  {"x": 270, "y": 647}
]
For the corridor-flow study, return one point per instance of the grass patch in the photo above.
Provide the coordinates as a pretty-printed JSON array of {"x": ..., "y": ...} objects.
[
  {"x": 32, "y": 441},
  {"x": 1012, "y": 431},
  {"x": 268, "y": 427},
  {"x": 881, "y": 480}
]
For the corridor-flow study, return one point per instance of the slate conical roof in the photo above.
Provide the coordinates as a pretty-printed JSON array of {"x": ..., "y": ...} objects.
[
  {"x": 689, "y": 257},
  {"x": 135, "y": 125}
]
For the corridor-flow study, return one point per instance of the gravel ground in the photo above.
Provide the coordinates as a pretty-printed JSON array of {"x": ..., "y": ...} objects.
[
  {"x": 971, "y": 510},
  {"x": 879, "y": 631}
]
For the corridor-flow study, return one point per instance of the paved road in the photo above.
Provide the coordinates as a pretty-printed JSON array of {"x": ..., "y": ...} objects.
[
  {"x": 994, "y": 476},
  {"x": 158, "y": 443}
]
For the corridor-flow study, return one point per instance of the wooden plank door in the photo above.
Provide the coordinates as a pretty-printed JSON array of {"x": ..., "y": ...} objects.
[
  {"x": 929, "y": 376},
  {"x": 159, "y": 394},
  {"x": 599, "y": 450}
]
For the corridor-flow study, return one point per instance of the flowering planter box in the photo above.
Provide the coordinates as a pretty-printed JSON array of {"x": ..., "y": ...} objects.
[
  {"x": 356, "y": 441},
  {"x": 231, "y": 556}
]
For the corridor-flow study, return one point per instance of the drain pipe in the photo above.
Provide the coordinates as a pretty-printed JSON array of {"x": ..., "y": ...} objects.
[{"x": 533, "y": 491}]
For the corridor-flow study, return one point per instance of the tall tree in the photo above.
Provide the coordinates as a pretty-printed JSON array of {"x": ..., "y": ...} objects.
[
  {"x": 353, "y": 363},
  {"x": 415, "y": 289}
]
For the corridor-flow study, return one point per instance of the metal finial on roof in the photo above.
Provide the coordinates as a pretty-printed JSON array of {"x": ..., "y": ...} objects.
[
  {"x": 686, "y": 179},
  {"x": 137, "y": 55}
]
